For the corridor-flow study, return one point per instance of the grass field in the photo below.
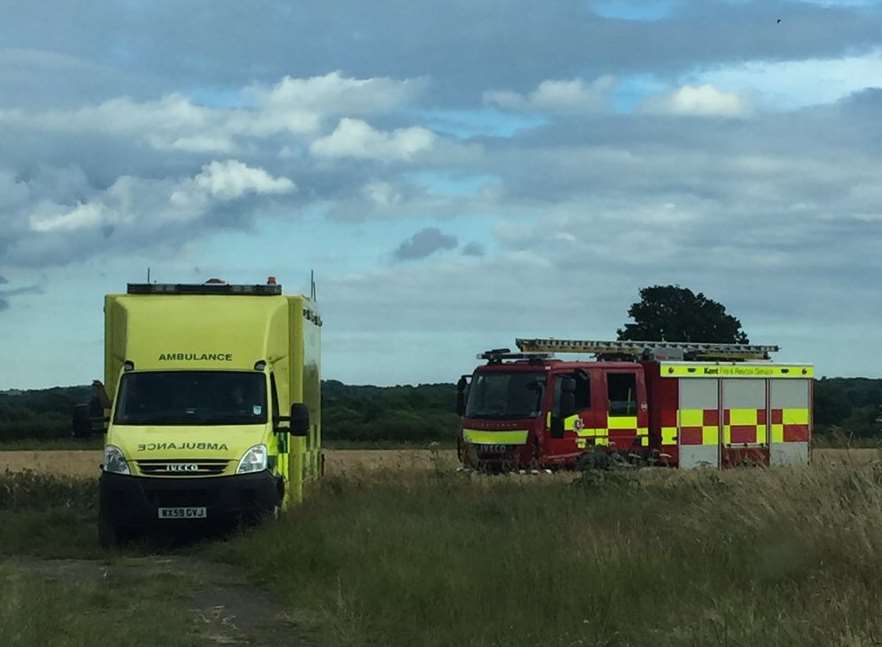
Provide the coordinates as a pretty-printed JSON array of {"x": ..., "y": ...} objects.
[
  {"x": 402, "y": 550},
  {"x": 85, "y": 463}
]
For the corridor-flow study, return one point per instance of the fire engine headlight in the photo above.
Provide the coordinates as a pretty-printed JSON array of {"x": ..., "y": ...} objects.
[
  {"x": 254, "y": 460},
  {"x": 115, "y": 460}
]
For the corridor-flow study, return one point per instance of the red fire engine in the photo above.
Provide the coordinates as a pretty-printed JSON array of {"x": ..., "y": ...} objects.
[{"x": 680, "y": 404}]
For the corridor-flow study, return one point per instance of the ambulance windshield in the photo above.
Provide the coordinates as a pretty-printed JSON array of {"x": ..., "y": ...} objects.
[
  {"x": 503, "y": 396},
  {"x": 192, "y": 398}
]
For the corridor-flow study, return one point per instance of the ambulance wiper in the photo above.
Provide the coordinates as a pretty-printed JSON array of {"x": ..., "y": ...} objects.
[{"x": 164, "y": 419}]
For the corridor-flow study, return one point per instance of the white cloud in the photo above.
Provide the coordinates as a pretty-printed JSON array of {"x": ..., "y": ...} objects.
[
  {"x": 697, "y": 100},
  {"x": 335, "y": 94},
  {"x": 229, "y": 180},
  {"x": 573, "y": 96},
  {"x": 356, "y": 138},
  {"x": 152, "y": 203},
  {"x": 84, "y": 216},
  {"x": 292, "y": 107},
  {"x": 381, "y": 194}
]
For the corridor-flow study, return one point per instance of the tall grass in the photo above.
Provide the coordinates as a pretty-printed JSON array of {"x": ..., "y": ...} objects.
[
  {"x": 78, "y": 609},
  {"x": 48, "y": 516},
  {"x": 761, "y": 557}
]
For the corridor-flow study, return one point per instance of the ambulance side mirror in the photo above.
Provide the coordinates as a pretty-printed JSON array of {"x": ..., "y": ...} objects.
[
  {"x": 462, "y": 393},
  {"x": 299, "y": 420},
  {"x": 88, "y": 419}
]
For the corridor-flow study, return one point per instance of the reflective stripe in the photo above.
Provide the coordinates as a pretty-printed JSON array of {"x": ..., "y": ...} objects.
[
  {"x": 795, "y": 417},
  {"x": 482, "y": 437},
  {"x": 777, "y": 433},
  {"x": 622, "y": 422},
  {"x": 669, "y": 435},
  {"x": 710, "y": 435},
  {"x": 694, "y": 429},
  {"x": 761, "y": 434},
  {"x": 690, "y": 417},
  {"x": 716, "y": 370},
  {"x": 790, "y": 425},
  {"x": 742, "y": 417}
]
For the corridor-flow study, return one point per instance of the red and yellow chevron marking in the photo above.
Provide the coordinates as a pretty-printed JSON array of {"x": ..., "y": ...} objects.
[
  {"x": 699, "y": 426},
  {"x": 790, "y": 425}
]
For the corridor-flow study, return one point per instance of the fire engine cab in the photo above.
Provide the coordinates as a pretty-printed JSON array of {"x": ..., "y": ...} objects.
[{"x": 678, "y": 404}]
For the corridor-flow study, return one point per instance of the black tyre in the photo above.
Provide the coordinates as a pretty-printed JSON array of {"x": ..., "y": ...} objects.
[{"x": 110, "y": 534}]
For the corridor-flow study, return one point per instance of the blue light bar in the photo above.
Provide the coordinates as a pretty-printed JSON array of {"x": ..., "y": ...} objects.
[{"x": 205, "y": 288}]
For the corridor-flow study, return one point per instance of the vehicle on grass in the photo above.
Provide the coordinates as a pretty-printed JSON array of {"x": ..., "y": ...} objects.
[
  {"x": 647, "y": 403},
  {"x": 212, "y": 405}
]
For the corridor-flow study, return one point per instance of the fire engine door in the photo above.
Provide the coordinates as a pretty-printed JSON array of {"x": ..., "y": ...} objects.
[
  {"x": 744, "y": 416},
  {"x": 578, "y": 424},
  {"x": 790, "y": 423},
  {"x": 627, "y": 414},
  {"x": 698, "y": 423}
]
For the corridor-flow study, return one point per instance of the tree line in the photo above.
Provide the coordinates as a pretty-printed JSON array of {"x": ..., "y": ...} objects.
[{"x": 418, "y": 414}]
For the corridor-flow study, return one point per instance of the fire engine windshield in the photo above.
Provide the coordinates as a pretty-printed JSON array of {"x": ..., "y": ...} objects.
[
  {"x": 192, "y": 398},
  {"x": 500, "y": 396}
]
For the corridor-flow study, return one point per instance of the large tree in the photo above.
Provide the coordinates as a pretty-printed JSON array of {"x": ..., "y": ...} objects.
[{"x": 672, "y": 313}]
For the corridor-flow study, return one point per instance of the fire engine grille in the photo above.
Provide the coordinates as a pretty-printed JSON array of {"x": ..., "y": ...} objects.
[{"x": 195, "y": 467}]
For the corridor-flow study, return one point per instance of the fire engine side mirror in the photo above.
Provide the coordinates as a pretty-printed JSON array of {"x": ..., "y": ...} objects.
[
  {"x": 462, "y": 391},
  {"x": 299, "y": 420}
]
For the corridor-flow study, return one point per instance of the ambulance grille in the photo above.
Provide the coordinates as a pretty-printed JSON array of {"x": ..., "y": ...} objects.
[{"x": 178, "y": 468}]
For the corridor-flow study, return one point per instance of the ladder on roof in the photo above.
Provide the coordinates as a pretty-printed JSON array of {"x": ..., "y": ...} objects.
[{"x": 649, "y": 349}]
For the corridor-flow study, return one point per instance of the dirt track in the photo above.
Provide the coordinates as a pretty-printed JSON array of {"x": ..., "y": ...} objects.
[{"x": 337, "y": 461}]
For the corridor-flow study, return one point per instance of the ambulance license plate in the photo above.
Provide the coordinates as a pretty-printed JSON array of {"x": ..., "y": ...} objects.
[{"x": 183, "y": 513}]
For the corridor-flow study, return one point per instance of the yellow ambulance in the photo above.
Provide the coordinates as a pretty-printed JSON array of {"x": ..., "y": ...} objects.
[{"x": 212, "y": 404}]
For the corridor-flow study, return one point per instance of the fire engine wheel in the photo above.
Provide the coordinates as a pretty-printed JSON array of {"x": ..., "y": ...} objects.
[{"x": 593, "y": 461}]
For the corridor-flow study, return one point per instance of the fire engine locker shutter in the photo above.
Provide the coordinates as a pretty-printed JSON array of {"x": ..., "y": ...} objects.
[
  {"x": 790, "y": 422},
  {"x": 698, "y": 423},
  {"x": 744, "y": 413}
]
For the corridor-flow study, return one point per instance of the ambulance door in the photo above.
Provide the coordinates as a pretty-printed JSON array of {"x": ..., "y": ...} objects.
[
  {"x": 282, "y": 437},
  {"x": 698, "y": 423},
  {"x": 571, "y": 427},
  {"x": 790, "y": 404}
]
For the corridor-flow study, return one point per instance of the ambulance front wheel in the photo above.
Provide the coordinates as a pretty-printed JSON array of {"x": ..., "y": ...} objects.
[{"x": 110, "y": 535}]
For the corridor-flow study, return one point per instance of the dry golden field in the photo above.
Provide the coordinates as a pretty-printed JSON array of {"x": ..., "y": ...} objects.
[{"x": 338, "y": 461}]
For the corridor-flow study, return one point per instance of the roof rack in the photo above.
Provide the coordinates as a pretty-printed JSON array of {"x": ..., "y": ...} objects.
[
  {"x": 204, "y": 288},
  {"x": 649, "y": 349}
]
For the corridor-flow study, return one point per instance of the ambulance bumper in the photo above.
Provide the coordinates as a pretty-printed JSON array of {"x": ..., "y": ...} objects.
[{"x": 135, "y": 501}]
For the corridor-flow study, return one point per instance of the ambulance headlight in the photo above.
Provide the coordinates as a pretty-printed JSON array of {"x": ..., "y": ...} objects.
[
  {"x": 115, "y": 460},
  {"x": 254, "y": 460}
]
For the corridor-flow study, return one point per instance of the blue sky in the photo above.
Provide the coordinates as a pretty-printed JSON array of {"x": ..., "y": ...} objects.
[{"x": 457, "y": 174}]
